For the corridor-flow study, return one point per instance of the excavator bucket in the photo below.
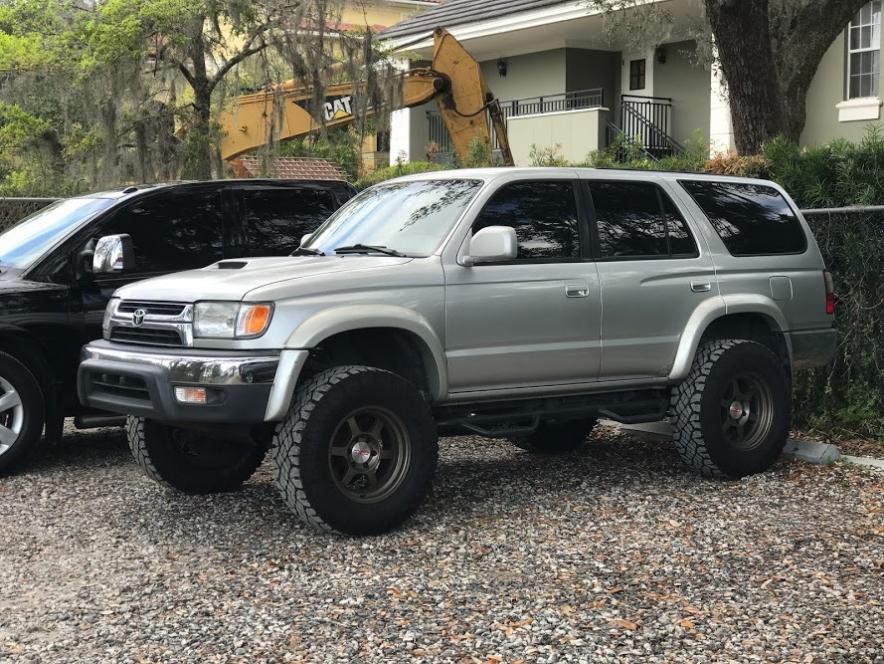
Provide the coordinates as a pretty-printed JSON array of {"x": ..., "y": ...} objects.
[{"x": 468, "y": 108}]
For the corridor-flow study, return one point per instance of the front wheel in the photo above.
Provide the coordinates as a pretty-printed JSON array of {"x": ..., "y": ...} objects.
[
  {"x": 192, "y": 461},
  {"x": 731, "y": 414},
  {"x": 21, "y": 412},
  {"x": 357, "y": 452}
]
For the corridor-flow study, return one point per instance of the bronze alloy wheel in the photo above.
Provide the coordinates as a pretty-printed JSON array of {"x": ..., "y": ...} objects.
[
  {"x": 370, "y": 454},
  {"x": 747, "y": 411}
]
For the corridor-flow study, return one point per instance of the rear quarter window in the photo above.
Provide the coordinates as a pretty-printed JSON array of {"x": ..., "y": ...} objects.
[{"x": 751, "y": 219}]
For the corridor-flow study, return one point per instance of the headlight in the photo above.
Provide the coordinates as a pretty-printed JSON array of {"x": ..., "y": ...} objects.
[
  {"x": 109, "y": 311},
  {"x": 225, "y": 320}
]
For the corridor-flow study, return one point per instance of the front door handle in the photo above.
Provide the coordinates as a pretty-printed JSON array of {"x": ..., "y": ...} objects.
[
  {"x": 701, "y": 286},
  {"x": 576, "y": 291}
]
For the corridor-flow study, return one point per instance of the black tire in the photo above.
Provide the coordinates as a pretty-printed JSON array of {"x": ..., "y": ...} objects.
[
  {"x": 189, "y": 461},
  {"x": 745, "y": 437},
  {"x": 21, "y": 425},
  {"x": 556, "y": 437},
  {"x": 319, "y": 446}
]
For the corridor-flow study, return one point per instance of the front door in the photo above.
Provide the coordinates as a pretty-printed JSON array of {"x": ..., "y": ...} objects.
[{"x": 534, "y": 320}]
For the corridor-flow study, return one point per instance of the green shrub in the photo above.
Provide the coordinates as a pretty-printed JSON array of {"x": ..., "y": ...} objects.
[
  {"x": 395, "y": 171},
  {"x": 551, "y": 156}
]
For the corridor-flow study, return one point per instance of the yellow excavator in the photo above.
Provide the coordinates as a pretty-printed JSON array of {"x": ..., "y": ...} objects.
[{"x": 466, "y": 105}]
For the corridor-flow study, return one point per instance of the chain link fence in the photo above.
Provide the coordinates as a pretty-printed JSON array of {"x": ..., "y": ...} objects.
[{"x": 846, "y": 396}]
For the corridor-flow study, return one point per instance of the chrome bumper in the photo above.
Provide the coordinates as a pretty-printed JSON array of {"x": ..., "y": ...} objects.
[{"x": 141, "y": 381}]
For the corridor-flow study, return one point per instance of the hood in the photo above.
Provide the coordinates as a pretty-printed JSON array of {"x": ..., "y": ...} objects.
[{"x": 233, "y": 279}]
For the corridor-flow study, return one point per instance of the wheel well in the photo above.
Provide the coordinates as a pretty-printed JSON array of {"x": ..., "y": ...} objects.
[
  {"x": 30, "y": 354},
  {"x": 396, "y": 350},
  {"x": 752, "y": 326}
]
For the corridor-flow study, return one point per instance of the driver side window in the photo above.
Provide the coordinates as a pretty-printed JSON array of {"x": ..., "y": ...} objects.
[
  {"x": 543, "y": 214},
  {"x": 172, "y": 231}
]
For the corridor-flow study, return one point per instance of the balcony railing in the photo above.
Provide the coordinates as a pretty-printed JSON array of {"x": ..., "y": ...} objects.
[{"x": 565, "y": 101}]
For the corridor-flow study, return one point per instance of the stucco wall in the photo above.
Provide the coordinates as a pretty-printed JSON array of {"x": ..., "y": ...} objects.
[
  {"x": 577, "y": 133},
  {"x": 528, "y": 75},
  {"x": 688, "y": 85},
  {"x": 586, "y": 69},
  {"x": 825, "y": 92}
]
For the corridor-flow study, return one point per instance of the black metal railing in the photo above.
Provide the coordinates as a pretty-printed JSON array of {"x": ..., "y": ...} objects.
[
  {"x": 646, "y": 120},
  {"x": 565, "y": 101}
]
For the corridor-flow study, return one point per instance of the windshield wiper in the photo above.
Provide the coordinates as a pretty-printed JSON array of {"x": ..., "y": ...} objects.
[
  {"x": 306, "y": 251},
  {"x": 366, "y": 248}
]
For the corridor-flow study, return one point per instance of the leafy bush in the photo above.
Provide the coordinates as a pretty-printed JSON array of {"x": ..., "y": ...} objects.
[
  {"x": 395, "y": 171},
  {"x": 547, "y": 156}
]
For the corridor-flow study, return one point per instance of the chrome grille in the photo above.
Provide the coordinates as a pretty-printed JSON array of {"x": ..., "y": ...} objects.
[
  {"x": 146, "y": 335},
  {"x": 151, "y": 308},
  {"x": 150, "y": 323}
]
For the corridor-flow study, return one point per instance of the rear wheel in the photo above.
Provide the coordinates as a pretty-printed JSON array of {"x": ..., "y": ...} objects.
[
  {"x": 192, "y": 461},
  {"x": 21, "y": 412},
  {"x": 556, "y": 437},
  {"x": 731, "y": 414},
  {"x": 357, "y": 452}
]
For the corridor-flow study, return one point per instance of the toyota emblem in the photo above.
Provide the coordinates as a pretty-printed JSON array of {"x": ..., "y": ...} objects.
[{"x": 138, "y": 317}]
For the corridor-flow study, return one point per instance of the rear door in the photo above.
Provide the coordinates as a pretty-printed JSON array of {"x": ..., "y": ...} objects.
[
  {"x": 653, "y": 274},
  {"x": 271, "y": 220}
]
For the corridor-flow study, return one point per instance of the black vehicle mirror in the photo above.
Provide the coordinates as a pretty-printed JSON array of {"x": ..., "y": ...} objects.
[{"x": 113, "y": 253}]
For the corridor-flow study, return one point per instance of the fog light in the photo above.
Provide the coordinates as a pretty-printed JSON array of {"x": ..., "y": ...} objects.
[{"x": 191, "y": 394}]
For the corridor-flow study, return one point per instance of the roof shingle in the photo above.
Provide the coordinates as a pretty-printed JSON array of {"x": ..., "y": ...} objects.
[{"x": 458, "y": 12}]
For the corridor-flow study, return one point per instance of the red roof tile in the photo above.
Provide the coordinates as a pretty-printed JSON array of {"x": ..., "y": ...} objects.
[{"x": 288, "y": 168}]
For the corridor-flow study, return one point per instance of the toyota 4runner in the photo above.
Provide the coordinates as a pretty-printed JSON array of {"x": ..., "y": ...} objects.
[{"x": 518, "y": 303}]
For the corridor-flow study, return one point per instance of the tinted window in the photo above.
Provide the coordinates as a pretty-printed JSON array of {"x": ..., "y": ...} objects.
[
  {"x": 638, "y": 219},
  {"x": 544, "y": 215},
  {"x": 750, "y": 219},
  {"x": 275, "y": 219},
  {"x": 172, "y": 231}
]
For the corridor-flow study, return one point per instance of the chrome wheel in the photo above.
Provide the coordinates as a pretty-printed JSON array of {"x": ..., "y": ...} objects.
[
  {"x": 370, "y": 454},
  {"x": 12, "y": 415},
  {"x": 746, "y": 411}
]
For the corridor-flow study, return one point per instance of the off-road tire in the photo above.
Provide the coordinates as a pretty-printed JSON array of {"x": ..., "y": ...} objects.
[
  {"x": 207, "y": 466},
  {"x": 697, "y": 404},
  {"x": 29, "y": 418},
  {"x": 303, "y": 444},
  {"x": 556, "y": 437}
]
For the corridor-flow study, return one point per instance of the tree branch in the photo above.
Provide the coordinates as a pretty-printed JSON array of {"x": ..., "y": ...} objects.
[
  {"x": 185, "y": 72},
  {"x": 234, "y": 60}
]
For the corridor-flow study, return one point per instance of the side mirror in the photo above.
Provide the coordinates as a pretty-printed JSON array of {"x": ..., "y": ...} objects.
[
  {"x": 113, "y": 253},
  {"x": 305, "y": 238},
  {"x": 492, "y": 245}
]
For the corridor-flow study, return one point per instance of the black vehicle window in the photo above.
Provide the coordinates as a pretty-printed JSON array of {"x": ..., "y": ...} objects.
[
  {"x": 275, "y": 219},
  {"x": 638, "y": 219},
  {"x": 544, "y": 215},
  {"x": 751, "y": 219},
  {"x": 172, "y": 231}
]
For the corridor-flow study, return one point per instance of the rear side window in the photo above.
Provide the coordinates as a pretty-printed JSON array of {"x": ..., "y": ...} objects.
[
  {"x": 543, "y": 214},
  {"x": 275, "y": 219},
  {"x": 751, "y": 219},
  {"x": 638, "y": 220}
]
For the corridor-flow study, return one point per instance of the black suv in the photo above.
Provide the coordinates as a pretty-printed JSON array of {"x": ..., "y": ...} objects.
[{"x": 53, "y": 294}]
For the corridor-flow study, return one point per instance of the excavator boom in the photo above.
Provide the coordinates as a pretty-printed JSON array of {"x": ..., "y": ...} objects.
[{"x": 455, "y": 81}]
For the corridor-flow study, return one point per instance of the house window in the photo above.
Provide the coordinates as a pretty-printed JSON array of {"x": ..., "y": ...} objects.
[
  {"x": 864, "y": 51},
  {"x": 637, "y": 74}
]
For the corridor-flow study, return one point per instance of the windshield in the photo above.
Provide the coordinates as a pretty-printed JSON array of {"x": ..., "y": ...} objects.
[
  {"x": 28, "y": 240},
  {"x": 410, "y": 218}
]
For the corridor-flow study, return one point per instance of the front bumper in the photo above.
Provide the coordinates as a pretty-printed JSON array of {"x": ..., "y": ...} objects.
[{"x": 243, "y": 388}]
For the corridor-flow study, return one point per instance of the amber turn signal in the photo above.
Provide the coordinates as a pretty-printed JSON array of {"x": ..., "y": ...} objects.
[{"x": 253, "y": 319}]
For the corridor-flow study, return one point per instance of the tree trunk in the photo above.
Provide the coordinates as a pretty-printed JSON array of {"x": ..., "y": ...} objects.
[
  {"x": 742, "y": 35},
  {"x": 200, "y": 137}
]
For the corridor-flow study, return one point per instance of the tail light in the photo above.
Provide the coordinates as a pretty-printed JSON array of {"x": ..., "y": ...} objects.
[{"x": 831, "y": 298}]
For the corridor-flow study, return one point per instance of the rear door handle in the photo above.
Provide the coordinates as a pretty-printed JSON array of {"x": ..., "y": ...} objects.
[
  {"x": 576, "y": 291},
  {"x": 701, "y": 286}
]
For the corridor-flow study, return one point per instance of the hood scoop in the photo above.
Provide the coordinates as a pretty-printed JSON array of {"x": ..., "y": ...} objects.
[{"x": 232, "y": 265}]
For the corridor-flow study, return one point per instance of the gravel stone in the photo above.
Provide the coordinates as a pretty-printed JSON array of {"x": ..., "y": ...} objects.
[{"x": 617, "y": 553}]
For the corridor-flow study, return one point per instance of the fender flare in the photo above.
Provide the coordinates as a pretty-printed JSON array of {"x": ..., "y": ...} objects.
[
  {"x": 711, "y": 310},
  {"x": 328, "y": 322}
]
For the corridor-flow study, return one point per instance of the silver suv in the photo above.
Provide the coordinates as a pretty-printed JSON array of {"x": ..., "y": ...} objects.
[{"x": 518, "y": 303}]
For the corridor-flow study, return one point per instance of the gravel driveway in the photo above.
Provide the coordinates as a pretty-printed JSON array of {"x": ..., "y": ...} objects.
[{"x": 617, "y": 554}]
